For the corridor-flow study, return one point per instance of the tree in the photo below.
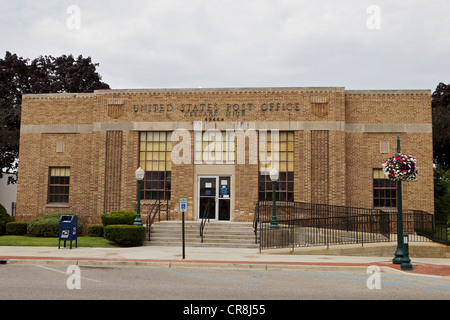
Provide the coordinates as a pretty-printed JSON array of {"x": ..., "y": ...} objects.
[
  {"x": 441, "y": 190},
  {"x": 44, "y": 74},
  {"x": 440, "y": 101}
]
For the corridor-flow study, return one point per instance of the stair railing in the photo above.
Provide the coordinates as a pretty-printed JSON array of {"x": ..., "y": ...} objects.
[
  {"x": 206, "y": 217},
  {"x": 156, "y": 209},
  {"x": 255, "y": 221}
]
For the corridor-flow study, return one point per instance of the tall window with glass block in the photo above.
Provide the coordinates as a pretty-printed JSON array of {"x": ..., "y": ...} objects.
[
  {"x": 58, "y": 185},
  {"x": 155, "y": 158},
  {"x": 214, "y": 147},
  {"x": 276, "y": 150},
  {"x": 384, "y": 191}
]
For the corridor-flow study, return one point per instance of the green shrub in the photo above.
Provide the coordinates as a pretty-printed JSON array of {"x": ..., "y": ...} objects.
[
  {"x": 17, "y": 228},
  {"x": 125, "y": 235},
  {"x": 118, "y": 217},
  {"x": 4, "y": 219},
  {"x": 48, "y": 225},
  {"x": 95, "y": 230}
]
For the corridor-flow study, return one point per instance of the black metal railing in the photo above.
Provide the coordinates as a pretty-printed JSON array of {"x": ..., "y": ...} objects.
[
  {"x": 308, "y": 224},
  {"x": 433, "y": 227},
  {"x": 155, "y": 210},
  {"x": 205, "y": 218},
  {"x": 255, "y": 221}
]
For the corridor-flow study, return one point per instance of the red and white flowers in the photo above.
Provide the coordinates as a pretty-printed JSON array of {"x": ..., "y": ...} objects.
[{"x": 400, "y": 167}]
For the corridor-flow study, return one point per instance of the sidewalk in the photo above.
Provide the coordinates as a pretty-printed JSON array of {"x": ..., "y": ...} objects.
[{"x": 209, "y": 257}]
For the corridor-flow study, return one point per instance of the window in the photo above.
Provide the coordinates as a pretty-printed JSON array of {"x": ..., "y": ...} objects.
[
  {"x": 214, "y": 147},
  {"x": 384, "y": 191},
  {"x": 58, "y": 186},
  {"x": 155, "y": 155},
  {"x": 269, "y": 144}
]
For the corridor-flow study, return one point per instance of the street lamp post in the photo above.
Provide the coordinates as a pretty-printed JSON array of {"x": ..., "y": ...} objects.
[
  {"x": 139, "y": 177},
  {"x": 274, "y": 179},
  {"x": 400, "y": 250}
]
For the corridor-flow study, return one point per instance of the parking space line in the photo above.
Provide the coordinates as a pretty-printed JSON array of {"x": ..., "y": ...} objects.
[{"x": 63, "y": 272}]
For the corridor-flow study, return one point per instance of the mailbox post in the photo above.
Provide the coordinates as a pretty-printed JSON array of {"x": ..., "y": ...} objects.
[{"x": 68, "y": 230}]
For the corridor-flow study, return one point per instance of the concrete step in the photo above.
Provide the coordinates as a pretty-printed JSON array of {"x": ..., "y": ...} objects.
[{"x": 216, "y": 234}]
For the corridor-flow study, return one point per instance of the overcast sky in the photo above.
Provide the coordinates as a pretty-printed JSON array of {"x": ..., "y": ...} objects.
[{"x": 356, "y": 44}]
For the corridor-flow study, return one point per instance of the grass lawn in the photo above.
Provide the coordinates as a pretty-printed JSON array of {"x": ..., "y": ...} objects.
[{"x": 26, "y": 241}]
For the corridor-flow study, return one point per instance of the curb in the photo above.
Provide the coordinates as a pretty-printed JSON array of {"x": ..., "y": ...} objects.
[
  {"x": 170, "y": 263},
  {"x": 163, "y": 263},
  {"x": 418, "y": 268}
]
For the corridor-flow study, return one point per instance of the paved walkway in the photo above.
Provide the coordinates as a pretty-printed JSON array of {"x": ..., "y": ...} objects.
[{"x": 209, "y": 257}]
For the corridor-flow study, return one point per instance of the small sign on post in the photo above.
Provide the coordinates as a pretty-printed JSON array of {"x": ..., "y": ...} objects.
[
  {"x": 183, "y": 204},
  {"x": 183, "y": 209}
]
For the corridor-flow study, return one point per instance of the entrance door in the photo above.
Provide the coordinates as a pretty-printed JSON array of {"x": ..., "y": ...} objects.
[
  {"x": 207, "y": 198},
  {"x": 224, "y": 198},
  {"x": 214, "y": 197}
]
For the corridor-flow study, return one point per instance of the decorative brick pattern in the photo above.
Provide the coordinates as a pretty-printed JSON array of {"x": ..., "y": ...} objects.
[
  {"x": 113, "y": 170},
  {"x": 319, "y": 166}
]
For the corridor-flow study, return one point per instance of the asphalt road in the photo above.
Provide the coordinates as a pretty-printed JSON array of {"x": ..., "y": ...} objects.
[{"x": 49, "y": 281}]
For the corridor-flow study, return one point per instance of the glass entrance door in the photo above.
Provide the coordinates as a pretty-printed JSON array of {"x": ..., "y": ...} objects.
[
  {"x": 207, "y": 198},
  {"x": 224, "y": 198},
  {"x": 214, "y": 197}
]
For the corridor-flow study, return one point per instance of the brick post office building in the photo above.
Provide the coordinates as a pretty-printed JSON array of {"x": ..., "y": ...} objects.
[{"x": 79, "y": 152}]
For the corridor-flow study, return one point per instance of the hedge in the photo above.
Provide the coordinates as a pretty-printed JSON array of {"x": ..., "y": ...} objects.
[
  {"x": 95, "y": 230},
  {"x": 118, "y": 217},
  {"x": 125, "y": 235},
  {"x": 4, "y": 219},
  {"x": 17, "y": 228},
  {"x": 48, "y": 225}
]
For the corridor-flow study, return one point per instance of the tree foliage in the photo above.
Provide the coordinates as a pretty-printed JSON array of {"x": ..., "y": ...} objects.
[
  {"x": 45, "y": 74},
  {"x": 441, "y": 190},
  {"x": 441, "y": 124}
]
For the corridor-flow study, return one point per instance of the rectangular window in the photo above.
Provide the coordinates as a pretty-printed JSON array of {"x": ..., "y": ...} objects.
[
  {"x": 155, "y": 158},
  {"x": 58, "y": 186},
  {"x": 214, "y": 147},
  {"x": 384, "y": 191},
  {"x": 276, "y": 150}
]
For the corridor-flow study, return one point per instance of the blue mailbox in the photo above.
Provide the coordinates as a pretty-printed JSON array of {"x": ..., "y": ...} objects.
[{"x": 68, "y": 230}]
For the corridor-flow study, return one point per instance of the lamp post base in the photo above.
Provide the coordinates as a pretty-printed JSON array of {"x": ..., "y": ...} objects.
[
  {"x": 274, "y": 225},
  {"x": 406, "y": 265},
  {"x": 398, "y": 259},
  {"x": 137, "y": 221}
]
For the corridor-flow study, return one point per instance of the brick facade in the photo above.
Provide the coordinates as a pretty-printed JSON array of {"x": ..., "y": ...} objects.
[{"x": 339, "y": 138}]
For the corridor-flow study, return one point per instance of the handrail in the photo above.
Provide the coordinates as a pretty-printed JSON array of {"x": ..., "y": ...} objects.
[
  {"x": 206, "y": 214},
  {"x": 151, "y": 218},
  {"x": 308, "y": 224},
  {"x": 255, "y": 221}
]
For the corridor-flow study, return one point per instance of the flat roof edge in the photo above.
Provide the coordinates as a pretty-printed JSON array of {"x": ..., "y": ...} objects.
[
  {"x": 225, "y": 89},
  {"x": 412, "y": 91},
  {"x": 58, "y": 95},
  {"x": 208, "y": 90}
]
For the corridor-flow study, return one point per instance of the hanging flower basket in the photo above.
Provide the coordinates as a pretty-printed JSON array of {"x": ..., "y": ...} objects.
[{"x": 400, "y": 168}]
